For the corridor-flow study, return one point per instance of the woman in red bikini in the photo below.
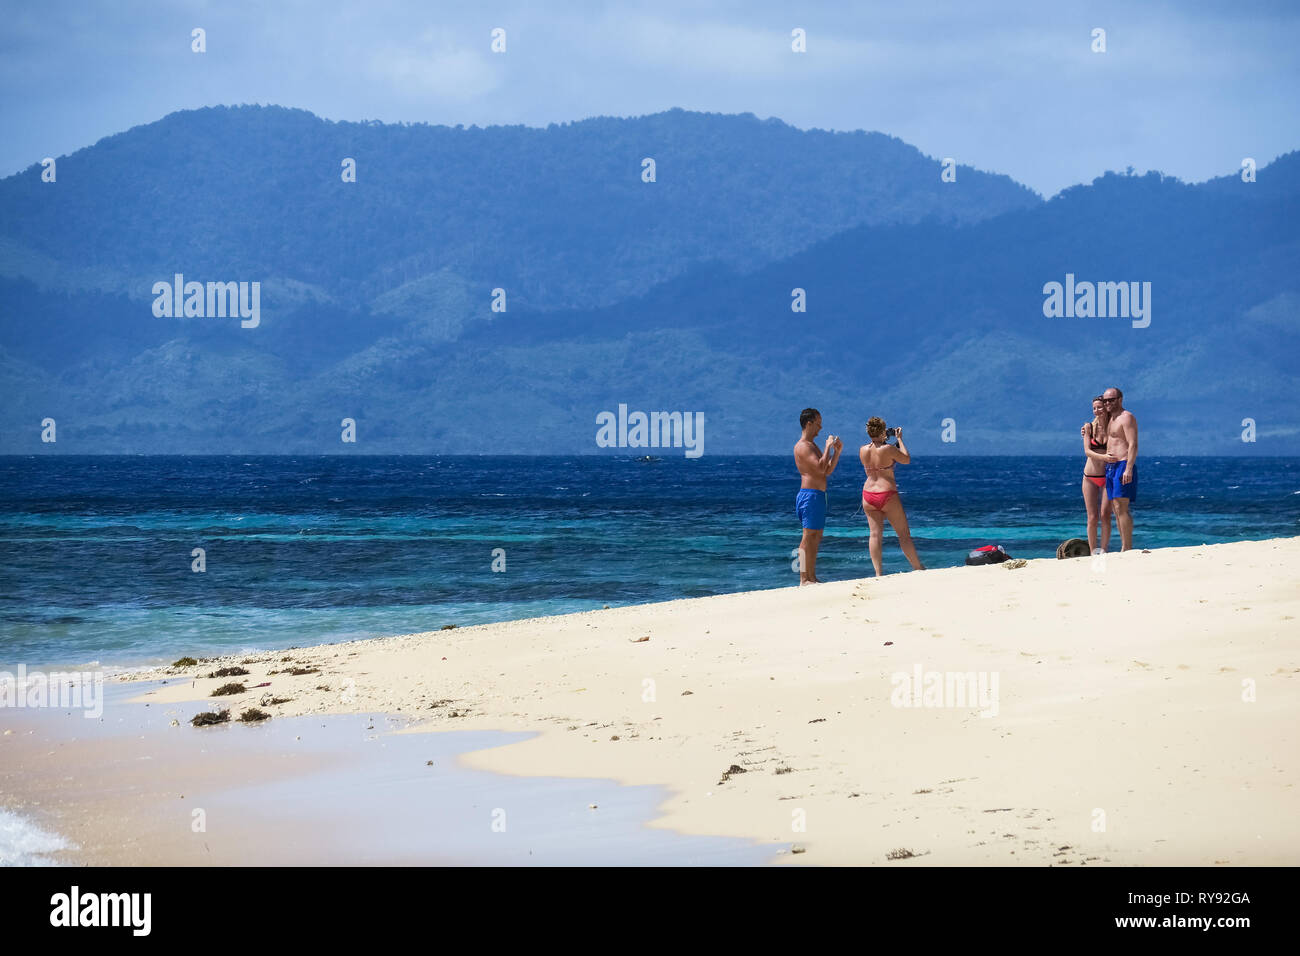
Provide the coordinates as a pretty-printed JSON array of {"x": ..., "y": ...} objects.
[
  {"x": 880, "y": 491},
  {"x": 1094, "y": 475}
]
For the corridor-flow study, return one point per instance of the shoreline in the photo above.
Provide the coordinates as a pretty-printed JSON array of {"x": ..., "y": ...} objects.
[
  {"x": 338, "y": 552},
  {"x": 1117, "y": 733},
  {"x": 340, "y": 790}
]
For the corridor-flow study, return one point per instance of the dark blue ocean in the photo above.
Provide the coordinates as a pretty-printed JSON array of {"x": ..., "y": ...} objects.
[{"x": 95, "y": 552}]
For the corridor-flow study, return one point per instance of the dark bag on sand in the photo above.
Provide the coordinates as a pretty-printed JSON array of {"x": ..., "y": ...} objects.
[
  {"x": 989, "y": 554},
  {"x": 1073, "y": 548}
]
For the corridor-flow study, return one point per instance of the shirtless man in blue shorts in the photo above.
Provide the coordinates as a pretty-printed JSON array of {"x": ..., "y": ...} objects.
[
  {"x": 1121, "y": 463},
  {"x": 815, "y": 466}
]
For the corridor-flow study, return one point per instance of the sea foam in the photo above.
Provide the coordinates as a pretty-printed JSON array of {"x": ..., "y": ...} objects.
[{"x": 23, "y": 843}]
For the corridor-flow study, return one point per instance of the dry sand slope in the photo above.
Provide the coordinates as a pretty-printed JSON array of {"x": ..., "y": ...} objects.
[{"x": 1146, "y": 709}]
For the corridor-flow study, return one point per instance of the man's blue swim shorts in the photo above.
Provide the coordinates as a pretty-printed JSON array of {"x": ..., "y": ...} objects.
[
  {"x": 1115, "y": 487},
  {"x": 810, "y": 505}
]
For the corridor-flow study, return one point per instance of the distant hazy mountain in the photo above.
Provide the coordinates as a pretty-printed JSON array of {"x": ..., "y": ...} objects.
[
  {"x": 924, "y": 298},
  {"x": 560, "y": 216}
]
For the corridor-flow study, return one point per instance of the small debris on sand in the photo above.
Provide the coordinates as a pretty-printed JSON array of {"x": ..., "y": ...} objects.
[
  {"x": 229, "y": 672},
  {"x": 208, "y": 717},
  {"x": 733, "y": 769}
]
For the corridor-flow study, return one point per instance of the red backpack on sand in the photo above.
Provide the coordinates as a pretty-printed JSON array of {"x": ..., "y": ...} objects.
[{"x": 989, "y": 554}]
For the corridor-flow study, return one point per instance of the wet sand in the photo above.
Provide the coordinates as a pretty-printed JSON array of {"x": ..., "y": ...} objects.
[{"x": 132, "y": 789}]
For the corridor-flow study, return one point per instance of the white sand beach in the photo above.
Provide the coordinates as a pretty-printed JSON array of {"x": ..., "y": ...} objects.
[{"x": 1139, "y": 710}]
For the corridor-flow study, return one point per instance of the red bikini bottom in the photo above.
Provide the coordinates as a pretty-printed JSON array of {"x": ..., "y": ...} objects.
[{"x": 877, "y": 499}]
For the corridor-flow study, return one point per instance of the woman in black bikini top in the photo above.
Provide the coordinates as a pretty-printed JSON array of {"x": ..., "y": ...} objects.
[{"x": 1094, "y": 475}]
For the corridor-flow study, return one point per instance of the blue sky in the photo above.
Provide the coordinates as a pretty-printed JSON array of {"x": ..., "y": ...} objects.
[{"x": 1189, "y": 88}]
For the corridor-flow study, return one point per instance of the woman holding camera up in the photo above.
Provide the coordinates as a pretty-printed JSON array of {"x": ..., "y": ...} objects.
[{"x": 880, "y": 491}]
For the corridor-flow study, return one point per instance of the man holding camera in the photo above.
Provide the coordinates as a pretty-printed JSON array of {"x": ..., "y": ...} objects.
[{"x": 815, "y": 466}]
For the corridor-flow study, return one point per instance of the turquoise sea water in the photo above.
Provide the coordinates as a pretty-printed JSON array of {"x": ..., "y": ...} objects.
[{"x": 95, "y": 553}]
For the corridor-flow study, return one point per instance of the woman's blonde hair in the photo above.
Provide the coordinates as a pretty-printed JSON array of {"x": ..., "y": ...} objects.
[{"x": 875, "y": 426}]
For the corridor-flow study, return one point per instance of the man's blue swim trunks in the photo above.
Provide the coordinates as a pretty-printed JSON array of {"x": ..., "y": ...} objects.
[
  {"x": 1115, "y": 487},
  {"x": 810, "y": 505}
]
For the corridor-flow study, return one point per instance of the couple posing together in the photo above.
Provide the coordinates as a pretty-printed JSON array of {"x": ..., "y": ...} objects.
[
  {"x": 880, "y": 498},
  {"x": 1110, "y": 483}
]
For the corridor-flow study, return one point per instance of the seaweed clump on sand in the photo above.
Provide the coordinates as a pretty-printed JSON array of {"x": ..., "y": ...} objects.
[
  {"x": 184, "y": 662},
  {"x": 253, "y": 715},
  {"x": 208, "y": 717},
  {"x": 225, "y": 690},
  {"x": 229, "y": 672},
  {"x": 296, "y": 671},
  {"x": 727, "y": 774}
]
